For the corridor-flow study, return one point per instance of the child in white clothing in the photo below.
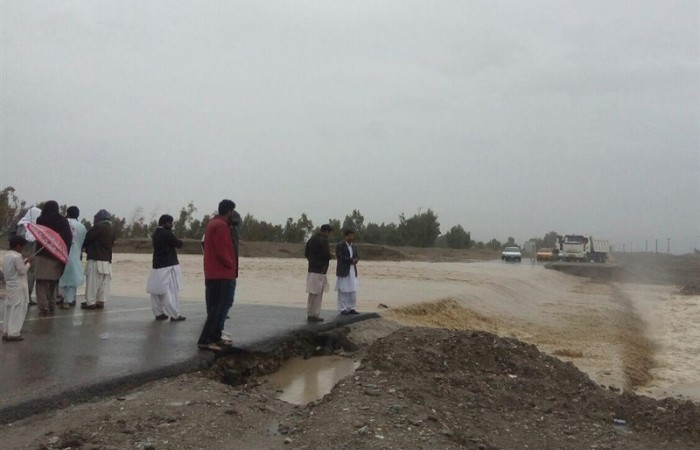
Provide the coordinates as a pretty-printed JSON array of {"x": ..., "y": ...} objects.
[{"x": 15, "y": 268}]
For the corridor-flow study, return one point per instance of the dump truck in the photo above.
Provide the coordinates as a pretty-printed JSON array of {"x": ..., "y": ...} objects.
[{"x": 582, "y": 248}]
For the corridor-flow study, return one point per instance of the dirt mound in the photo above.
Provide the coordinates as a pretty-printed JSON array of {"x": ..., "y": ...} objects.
[
  {"x": 438, "y": 388},
  {"x": 636, "y": 348},
  {"x": 417, "y": 388}
]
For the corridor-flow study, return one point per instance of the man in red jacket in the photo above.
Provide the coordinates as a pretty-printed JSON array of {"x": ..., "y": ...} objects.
[{"x": 220, "y": 273}]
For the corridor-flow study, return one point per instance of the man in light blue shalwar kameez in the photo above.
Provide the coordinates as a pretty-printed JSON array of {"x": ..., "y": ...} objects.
[{"x": 73, "y": 275}]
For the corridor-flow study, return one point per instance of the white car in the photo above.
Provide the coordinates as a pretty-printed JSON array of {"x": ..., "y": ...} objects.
[{"x": 511, "y": 254}]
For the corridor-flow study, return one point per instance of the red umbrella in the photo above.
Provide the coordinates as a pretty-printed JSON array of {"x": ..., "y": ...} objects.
[{"x": 50, "y": 240}]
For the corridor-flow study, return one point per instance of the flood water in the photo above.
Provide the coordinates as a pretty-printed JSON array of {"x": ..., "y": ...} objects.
[
  {"x": 544, "y": 307},
  {"x": 305, "y": 380}
]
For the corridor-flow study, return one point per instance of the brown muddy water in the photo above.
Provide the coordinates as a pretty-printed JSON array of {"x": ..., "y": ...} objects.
[
  {"x": 306, "y": 380},
  {"x": 595, "y": 325}
]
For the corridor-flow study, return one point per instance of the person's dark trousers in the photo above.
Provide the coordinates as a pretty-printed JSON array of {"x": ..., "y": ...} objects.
[
  {"x": 215, "y": 296},
  {"x": 230, "y": 292}
]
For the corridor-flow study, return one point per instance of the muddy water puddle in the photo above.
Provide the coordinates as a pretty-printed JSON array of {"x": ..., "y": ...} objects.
[{"x": 305, "y": 380}]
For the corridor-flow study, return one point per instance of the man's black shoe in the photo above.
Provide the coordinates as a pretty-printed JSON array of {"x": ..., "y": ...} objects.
[
  {"x": 353, "y": 312},
  {"x": 314, "y": 319}
]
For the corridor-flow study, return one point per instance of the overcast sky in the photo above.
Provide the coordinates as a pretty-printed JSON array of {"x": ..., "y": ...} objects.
[{"x": 511, "y": 118}]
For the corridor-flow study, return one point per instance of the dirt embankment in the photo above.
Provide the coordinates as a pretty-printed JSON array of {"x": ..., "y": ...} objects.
[
  {"x": 367, "y": 252},
  {"x": 415, "y": 388},
  {"x": 636, "y": 350},
  {"x": 659, "y": 268},
  {"x": 655, "y": 268}
]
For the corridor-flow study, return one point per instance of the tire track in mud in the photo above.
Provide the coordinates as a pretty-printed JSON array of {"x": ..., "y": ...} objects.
[{"x": 636, "y": 348}]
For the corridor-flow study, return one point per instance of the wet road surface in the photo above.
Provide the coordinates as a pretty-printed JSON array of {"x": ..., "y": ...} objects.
[{"x": 77, "y": 354}]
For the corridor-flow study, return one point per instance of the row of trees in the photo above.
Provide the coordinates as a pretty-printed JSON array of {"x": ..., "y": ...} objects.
[
  {"x": 420, "y": 230},
  {"x": 549, "y": 240}
]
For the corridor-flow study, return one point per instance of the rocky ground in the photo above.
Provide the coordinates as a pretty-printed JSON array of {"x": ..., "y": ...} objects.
[{"x": 415, "y": 388}]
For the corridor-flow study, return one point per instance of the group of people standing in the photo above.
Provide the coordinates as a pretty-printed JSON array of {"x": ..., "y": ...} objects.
[
  {"x": 28, "y": 266},
  {"x": 24, "y": 265},
  {"x": 318, "y": 253},
  {"x": 220, "y": 247}
]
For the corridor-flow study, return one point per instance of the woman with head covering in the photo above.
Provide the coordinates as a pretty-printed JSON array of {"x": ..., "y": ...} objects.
[
  {"x": 48, "y": 269},
  {"x": 165, "y": 279},
  {"x": 98, "y": 273}
]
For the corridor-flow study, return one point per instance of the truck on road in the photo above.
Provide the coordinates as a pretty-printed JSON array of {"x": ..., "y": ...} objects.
[{"x": 582, "y": 248}]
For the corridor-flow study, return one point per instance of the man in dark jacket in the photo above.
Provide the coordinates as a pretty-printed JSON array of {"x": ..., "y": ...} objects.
[
  {"x": 98, "y": 244},
  {"x": 318, "y": 253},
  {"x": 165, "y": 279},
  {"x": 346, "y": 272}
]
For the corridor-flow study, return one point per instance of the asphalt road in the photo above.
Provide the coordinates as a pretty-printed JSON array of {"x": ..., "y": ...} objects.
[{"x": 76, "y": 354}]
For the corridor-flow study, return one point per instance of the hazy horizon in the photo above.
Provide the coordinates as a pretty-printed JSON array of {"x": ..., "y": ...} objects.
[{"x": 508, "y": 118}]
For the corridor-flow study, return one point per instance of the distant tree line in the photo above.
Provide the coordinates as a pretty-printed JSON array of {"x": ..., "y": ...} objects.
[
  {"x": 419, "y": 230},
  {"x": 548, "y": 241}
]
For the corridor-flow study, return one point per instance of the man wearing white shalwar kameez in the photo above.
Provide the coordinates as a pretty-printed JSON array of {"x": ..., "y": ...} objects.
[
  {"x": 165, "y": 279},
  {"x": 14, "y": 268},
  {"x": 164, "y": 285},
  {"x": 346, "y": 271},
  {"x": 98, "y": 244}
]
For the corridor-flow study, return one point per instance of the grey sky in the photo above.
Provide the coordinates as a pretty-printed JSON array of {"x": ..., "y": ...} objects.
[{"x": 510, "y": 118}]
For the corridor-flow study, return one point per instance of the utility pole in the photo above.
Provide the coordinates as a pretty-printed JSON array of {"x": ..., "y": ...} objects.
[
  {"x": 668, "y": 246},
  {"x": 656, "y": 246},
  {"x": 646, "y": 246}
]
